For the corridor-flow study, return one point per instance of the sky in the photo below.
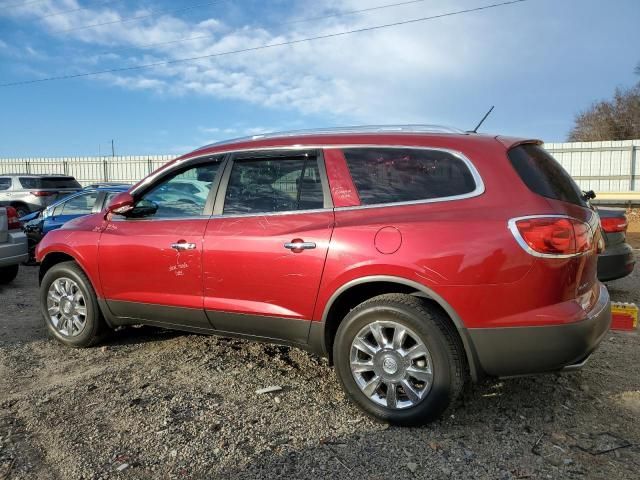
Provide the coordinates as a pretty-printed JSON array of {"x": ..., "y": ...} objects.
[{"x": 538, "y": 61}]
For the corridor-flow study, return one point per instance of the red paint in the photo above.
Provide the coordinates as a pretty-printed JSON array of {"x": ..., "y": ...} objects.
[
  {"x": 247, "y": 269},
  {"x": 461, "y": 250}
]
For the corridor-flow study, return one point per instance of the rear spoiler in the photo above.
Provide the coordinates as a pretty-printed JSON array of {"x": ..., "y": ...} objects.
[{"x": 510, "y": 142}]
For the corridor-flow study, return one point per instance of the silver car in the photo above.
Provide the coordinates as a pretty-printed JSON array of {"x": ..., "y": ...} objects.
[{"x": 30, "y": 193}]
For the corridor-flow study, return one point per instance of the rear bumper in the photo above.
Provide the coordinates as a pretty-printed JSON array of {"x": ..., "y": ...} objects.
[
  {"x": 616, "y": 262},
  {"x": 14, "y": 250},
  {"x": 511, "y": 351}
]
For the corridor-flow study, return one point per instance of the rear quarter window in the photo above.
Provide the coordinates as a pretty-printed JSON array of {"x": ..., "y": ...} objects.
[
  {"x": 5, "y": 183},
  {"x": 544, "y": 175},
  {"x": 390, "y": 175}
]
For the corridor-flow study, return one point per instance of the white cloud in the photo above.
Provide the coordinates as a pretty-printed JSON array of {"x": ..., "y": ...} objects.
[{"x": 383, "y": 76}]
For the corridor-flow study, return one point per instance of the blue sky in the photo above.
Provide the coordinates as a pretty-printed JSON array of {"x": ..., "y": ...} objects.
[{"x": 539, "y": 62}]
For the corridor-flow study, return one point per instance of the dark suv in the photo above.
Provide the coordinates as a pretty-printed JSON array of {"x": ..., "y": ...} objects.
[
  {"x": 31, "y": 193},
  {"x": 413, "y": 257}
]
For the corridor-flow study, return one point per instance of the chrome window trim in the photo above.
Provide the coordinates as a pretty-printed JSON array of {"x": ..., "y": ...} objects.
[
  {"x": 511, "y": 225},
  {"x": 272, "y": 214},
  {"x": 120, "y": 218}
]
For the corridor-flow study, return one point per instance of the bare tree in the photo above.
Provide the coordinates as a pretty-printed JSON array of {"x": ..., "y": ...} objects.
[{"x": 615, "y": 119}]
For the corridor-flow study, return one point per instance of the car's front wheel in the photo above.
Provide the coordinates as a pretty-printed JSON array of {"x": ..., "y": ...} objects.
[
  {"x": 70, "y": 307},
  {"x": 399, "y": 360}
]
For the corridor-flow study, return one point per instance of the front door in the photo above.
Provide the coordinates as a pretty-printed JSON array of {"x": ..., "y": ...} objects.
[
  {"x": 151, "y": 262},
  {"x": 265, "y": 249}
]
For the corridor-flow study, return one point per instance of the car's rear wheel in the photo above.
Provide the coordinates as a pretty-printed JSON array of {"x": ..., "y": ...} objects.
[
  {"x": 8, "y": 274},
  {"x": 70, "y": 307},
  {"x": 399, "y": 360}
]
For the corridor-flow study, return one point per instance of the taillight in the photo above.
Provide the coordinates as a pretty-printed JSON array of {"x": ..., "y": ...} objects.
[
  {"x": 615, "y": 224},
  {"x": 12, "y": 219},
  {"x": 40, "y": 193},
  {"x": 552, "y": 236}
]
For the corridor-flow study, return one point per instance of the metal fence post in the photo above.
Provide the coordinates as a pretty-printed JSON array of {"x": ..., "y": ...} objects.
[
  {"x": 105, "y": 173},
  {"x": 633, "y": 166}
]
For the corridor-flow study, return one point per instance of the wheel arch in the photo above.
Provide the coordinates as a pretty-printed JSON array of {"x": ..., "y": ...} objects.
[
  {"x": 53, "y": 258},
  {"x": 357, "y": 291}
]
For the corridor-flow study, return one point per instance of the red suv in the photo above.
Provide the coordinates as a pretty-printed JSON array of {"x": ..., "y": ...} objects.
[{"x": 413, "y": 257}]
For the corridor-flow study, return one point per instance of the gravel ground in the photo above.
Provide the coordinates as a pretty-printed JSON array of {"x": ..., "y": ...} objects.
[{"x": 155, "y": 404}]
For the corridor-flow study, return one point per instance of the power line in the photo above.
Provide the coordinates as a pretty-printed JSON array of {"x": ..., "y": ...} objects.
[
  {"x": 152, "y": 13},
  {"x": 199, "y": 37},
  {"x": 261, "y": 47}
]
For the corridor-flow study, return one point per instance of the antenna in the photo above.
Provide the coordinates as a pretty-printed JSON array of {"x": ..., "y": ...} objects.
[{"x": 475, "y": 130}]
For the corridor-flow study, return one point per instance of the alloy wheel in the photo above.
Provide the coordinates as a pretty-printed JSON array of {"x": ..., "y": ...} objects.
[
  {"x": 391, "y": 365},
  {"x": 66, "y": 307}
]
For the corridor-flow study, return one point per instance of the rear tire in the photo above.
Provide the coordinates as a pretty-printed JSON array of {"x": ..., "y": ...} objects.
[
  {"x": 69, "y": 306},
  {"x": 416, "y": 368},
  {"x": 8, "y": 274}
]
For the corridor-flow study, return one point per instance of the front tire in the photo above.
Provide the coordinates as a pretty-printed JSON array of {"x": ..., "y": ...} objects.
[
  {"x": 400, "y": 360},
  {"x": 70, "y": 307},
  {"x": 8, "y": 274}
]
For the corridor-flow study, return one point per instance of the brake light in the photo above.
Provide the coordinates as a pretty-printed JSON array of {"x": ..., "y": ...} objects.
[
  {"x": 12, "y": 219},
  {"x": 552, "y": 236},
  {"x": 615, "y": 224},
  {"x": 40, "y": 193}
]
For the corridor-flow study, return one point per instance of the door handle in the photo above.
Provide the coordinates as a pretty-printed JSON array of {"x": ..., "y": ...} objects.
[
  {"x": 183, "y": 246},
  {"x": 299, "y": 245}
]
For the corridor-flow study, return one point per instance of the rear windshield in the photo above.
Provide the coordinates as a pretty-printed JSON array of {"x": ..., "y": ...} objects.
[
  {"x": 544, "y": 175},
  {"x": 49, "y": 182},
  {"x": 388, "y": 175}
]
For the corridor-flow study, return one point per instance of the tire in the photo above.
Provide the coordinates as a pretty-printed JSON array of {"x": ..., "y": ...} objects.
[
  {"x": 441, "y": 372},
  {"x": 86, "y": 312},
  {"x": 8, "y": 274}
]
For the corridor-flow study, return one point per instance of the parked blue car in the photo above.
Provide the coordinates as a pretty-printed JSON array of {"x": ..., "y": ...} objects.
[{"x": 85, "y": 202}]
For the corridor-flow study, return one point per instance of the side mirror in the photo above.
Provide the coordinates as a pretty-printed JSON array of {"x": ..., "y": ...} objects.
[{"x": 121, "y": 204}]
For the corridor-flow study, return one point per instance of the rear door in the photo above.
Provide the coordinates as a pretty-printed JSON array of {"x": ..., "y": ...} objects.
[{"x": 266, "y": 245}]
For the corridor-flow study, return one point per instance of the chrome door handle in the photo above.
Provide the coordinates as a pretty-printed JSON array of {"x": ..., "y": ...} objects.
[
  {"x": 183, "y": 246},
  {"x": 300, "y": 245}
]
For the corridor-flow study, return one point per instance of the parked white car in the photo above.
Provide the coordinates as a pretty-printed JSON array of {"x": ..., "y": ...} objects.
[{"x": 13, "y": 245}]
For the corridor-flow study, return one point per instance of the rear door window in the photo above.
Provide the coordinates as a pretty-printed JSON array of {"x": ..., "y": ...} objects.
[
  {"x": 390, "y": 175},
  {"x": 544, "y": 175},
  {"x": 270, "y": 185}
]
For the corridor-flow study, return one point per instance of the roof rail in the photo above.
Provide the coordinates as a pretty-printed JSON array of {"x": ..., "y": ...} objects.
[{"x": 363, "y": 129}]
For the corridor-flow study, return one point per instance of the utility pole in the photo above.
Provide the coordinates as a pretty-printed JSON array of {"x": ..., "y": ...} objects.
[{"x": 113, "y": 150}]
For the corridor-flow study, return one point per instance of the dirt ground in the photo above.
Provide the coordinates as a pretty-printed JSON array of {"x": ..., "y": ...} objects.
[{"x": 155, "y": 404}]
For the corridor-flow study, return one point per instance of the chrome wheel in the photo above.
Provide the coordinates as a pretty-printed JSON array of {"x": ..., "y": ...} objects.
[
  {"x": 66, "y": 307},
  {"x": 391, "y": 365}
]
